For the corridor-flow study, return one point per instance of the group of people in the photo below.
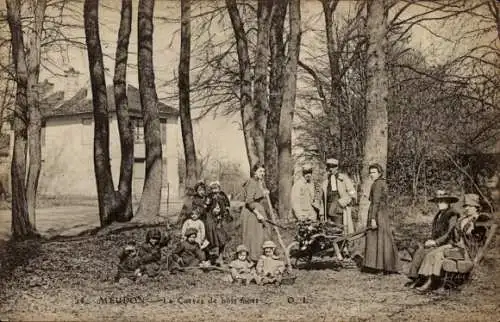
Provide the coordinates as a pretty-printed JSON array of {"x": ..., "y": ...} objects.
[
  {"x": 204, "y": 238},
  {"x": 202, "y": 244},
  {"x": 450, "y": 229}
]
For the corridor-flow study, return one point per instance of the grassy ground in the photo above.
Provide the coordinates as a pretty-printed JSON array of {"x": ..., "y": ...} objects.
[{"x": 73, "y": 280}]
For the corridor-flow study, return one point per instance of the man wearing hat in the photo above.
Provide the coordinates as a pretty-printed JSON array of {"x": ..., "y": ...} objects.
[
  {"x": 442, "y": 231},
  {"x": 304, "y": 205},
  {"x": 338, "y": 193}
]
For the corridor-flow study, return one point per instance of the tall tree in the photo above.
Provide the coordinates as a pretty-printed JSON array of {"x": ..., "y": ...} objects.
[
  {"x": 333, "y": 108},
  {"x": 151, "y": 194},
  {"x": 184, "y": 90},
  {"x": 102, "y": 167},
  {"x": 376, "y": 138},
  {"x": 264, "y": 16},
  {"x": 37, "y": 9},
  {"x": 245, "y": 79},
  {"x": 124, "y": 210},
  {"x": 277, "y": 62},
  {"x": 287, "y": 110},
  {"x": 21, "y": 227}
]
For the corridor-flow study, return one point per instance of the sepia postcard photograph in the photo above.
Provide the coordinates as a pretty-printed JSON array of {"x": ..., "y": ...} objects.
[{"x": 249, "y": 160}]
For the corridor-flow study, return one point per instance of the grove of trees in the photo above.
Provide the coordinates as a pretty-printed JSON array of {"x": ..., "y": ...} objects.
[{"x": 355, "y": 89}]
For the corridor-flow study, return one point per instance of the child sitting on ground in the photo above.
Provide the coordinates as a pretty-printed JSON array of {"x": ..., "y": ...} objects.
[
  {"x": 195, "y": 223},
  {"x": 269, "y": 268},
  {"x": 242, "y": 269},
  {"x": 129, "y": 267},
  {"x": 189, "y": 253},
  {"x": 150, "y": 253}
]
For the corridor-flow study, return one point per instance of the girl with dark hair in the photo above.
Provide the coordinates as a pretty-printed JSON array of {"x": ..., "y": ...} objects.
[
  {"x": 196, "y": 199},
  {"x": 254, "y": 213},
  {"x": 381, "y": 254}
]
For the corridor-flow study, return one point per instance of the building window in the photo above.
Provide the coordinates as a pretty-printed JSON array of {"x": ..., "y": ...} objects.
[{"x": 138, "y": 131}]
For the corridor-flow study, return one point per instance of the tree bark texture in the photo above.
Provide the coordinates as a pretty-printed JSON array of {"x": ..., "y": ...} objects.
[
  {"x": 375, "y": 145},
  {"x": 264, "y": 16},
  {"x": 33, "y": 50},
  {"x": 151, "y": 194},
  {"x": 334, "y": 101},
  {"x": 184, "y": 100},
  {"x": 277, "y": 49},
  {"x": 20, "y": 227},
  {"x": 245, "y": 71},
  {"x": 287, "y": 110},
  {"x": 125, "y": 127},
  {"x": 102, "y": 167}
]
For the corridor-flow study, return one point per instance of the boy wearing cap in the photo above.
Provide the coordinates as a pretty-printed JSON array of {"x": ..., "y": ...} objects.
[
  {"x": 304, "y": 205},
  {"x": 442, "y": 231},
  {"x": 338, "y": 194}
]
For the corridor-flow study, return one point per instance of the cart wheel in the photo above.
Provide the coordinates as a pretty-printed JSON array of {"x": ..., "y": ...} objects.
[{"x": 293, "y": 246}]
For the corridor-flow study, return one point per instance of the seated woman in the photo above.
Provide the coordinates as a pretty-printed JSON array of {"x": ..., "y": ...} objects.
[
  {"x": 270, "y": 268},
  {"x": 433, "y": 262},
  {"x": 441, "y": 232}
]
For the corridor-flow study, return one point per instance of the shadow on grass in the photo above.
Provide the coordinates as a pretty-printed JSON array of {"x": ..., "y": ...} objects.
[{"x": 15, "y": 254}]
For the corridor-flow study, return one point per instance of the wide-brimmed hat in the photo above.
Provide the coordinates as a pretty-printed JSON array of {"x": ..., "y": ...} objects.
[
  {"x": 471, "y": 199},
  {"x": 331, "y": 162},
  {"x": 443, "y": 196},
  {"x": 190, "y": 231},
  {"x": 269, "y": 244},
  {"x": 241, "y": 248}
]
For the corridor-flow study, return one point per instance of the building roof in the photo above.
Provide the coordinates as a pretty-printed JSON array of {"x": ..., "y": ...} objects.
[{"x": 81, "y": 104}]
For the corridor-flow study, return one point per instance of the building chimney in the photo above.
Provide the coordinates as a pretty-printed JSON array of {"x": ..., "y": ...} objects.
[{"x": 72, "y": 83}]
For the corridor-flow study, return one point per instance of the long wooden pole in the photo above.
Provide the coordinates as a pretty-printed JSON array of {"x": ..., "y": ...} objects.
[{"x": 276, "y": 229}]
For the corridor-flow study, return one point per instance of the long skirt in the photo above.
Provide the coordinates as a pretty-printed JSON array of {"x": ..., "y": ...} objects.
[
  {"x": 433, "y": 261},
  {"x": 380, "y": 250},
  {"x": 254, "y": 232}
]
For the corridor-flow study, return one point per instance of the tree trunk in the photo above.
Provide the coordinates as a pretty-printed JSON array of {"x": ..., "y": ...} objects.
[
  {"x": 102, "y": 167},
  {"x": 245, "y": 71},
  {"x": 275, "y": 98},
  {"x": 334, "y": 108},
  {"x": 375, "y": 146},
  {"x": 287, "y": 110},
  {"x": 20, "y": 227},
  {"x": 125, "y": 127},
  {"x": 264, "y": 16},
  {"x": 34, "y": 115},
  {"x": 151, "y": 194},
  {"x": 184, "y": 101}
]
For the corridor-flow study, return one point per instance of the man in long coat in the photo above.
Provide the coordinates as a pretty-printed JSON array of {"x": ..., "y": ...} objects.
[
  {"x": 338, "y": 194},
  {"x": 304, "y": 203}
]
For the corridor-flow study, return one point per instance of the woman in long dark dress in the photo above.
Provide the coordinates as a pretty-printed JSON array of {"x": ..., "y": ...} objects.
[
  {"x": 254, "y": 213},
  {"x": 381, "y": 254}
]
